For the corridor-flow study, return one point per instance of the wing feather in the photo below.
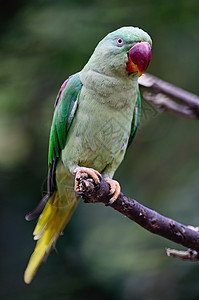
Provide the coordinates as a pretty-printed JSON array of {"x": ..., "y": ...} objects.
[
  {"x": 65, "y": 108},
  {"x": 136, "y": 119}
]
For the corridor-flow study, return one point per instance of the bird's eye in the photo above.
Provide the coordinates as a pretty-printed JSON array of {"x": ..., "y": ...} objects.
[{"x": 119, "y": 41}]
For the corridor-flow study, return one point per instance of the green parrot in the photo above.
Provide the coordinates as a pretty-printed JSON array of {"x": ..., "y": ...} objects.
[{"x": 97, "y": 112}]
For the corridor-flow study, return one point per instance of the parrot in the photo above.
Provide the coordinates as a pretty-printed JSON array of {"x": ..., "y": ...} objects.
[{"x": 96, "y": 115}]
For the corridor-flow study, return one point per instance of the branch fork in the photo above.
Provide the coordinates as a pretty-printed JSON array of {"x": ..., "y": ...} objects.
[{"x": 168, "y": 97}]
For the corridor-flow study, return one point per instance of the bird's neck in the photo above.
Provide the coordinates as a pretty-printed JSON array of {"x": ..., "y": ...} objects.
[{"x": 116, "y": 91}]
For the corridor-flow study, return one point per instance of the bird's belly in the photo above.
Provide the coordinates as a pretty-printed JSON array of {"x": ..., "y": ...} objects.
[
  {"x": 96, "y": 138},
  {"x": 105, "y": 142}
]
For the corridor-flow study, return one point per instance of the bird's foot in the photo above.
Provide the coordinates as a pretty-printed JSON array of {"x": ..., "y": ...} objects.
[
  {"x": 114, "y": 190},
  {"x": 78, "y": 171}
]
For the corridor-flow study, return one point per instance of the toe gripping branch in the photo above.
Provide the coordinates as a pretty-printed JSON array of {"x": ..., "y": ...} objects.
[
  {"x": 92, "y": 192},
  {"x": 142, "y": 215}
]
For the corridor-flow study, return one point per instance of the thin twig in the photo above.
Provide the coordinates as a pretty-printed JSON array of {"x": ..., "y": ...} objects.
[
  {"x": 164, "y": 103},
  {"x": 184, "y": 255},
  {"x": 159, "y": 85},
  {"x": 188, "y": 103},
  {"x": 145, "y": 217}
]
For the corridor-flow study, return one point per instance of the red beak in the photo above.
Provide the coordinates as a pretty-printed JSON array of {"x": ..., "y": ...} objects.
[{"x": 139, "y": 57}]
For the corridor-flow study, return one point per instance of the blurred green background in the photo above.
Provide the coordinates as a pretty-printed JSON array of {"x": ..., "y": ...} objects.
[{"x": 102, "y": 254}]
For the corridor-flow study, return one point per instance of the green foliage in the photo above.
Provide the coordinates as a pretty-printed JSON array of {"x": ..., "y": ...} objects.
[{"x": 102, "y": 254}]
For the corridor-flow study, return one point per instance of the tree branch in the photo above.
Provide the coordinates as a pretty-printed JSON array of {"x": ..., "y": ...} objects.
[
  {"x": 164, "y": 103},
  {"x": 184, "y": 255},
  {"x": 145, "y": 217},
  {"x": 162, "y": 94}
]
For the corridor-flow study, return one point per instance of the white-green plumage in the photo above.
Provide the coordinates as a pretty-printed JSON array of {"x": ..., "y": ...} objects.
[
  {"x": 101, "y": 128},
  {"x": 92, "y": 123}
]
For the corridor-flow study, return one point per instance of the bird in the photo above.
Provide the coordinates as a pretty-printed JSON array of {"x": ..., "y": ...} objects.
[{"x": 96, "y": 115}]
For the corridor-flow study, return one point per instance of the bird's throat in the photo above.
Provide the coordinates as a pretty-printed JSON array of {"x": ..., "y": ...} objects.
[{"x": 118, "y": 92}]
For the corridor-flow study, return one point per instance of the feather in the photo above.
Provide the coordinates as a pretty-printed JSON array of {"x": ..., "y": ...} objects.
[{"x": 47, "y": 231}]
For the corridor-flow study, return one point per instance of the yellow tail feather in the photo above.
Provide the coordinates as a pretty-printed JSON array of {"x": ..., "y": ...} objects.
[{"x": 51, "y": 222}]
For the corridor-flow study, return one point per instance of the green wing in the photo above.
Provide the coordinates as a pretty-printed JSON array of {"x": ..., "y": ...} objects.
[
  {"x": 136, "y": 119},
  {"x": 65, "y": 108}
]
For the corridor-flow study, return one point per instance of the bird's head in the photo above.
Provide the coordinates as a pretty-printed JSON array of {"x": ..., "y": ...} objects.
[{"x": 124, "y": 52}]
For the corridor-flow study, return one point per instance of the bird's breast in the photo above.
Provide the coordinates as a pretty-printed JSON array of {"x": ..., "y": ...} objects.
[
  {"x": 103, "y": 131},
  {"x": 100, "y": 130}
]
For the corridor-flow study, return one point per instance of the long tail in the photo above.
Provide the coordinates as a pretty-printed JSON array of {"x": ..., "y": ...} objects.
[{"x": 51, "y": 222}]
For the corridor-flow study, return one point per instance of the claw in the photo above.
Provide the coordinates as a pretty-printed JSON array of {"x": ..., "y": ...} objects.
[
  {"x": 95, "y": 175},
  {"x": 114, "y": 190}
]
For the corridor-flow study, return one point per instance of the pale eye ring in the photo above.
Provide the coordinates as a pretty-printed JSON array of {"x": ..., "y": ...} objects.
[{"x": 119, "y": 41}]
